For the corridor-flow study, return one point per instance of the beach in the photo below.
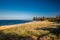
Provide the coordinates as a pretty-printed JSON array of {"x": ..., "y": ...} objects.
[
  {"x": 44, "y": 23},
  {"x": 30, "y": 30}
]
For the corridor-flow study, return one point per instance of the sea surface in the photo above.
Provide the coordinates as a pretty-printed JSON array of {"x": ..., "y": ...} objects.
[{"x": 11, "y": 22}]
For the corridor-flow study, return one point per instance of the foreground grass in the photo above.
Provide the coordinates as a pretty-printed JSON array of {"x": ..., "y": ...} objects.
[{"x": 38, "y": 29}]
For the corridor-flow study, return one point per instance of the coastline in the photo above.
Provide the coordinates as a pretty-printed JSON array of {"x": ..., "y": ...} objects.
[
  {"x": 29, "y": 23},
  {"x": 31, "y": 29}
]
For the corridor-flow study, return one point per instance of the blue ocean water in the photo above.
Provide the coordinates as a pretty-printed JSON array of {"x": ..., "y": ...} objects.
[{"x": 11, "y": 22}]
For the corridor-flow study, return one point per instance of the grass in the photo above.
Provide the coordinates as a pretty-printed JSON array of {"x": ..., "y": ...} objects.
[{"x": 31, "y": 29}]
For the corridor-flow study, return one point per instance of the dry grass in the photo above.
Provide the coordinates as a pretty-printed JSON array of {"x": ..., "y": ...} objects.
[{"x": 28, "y": 29}]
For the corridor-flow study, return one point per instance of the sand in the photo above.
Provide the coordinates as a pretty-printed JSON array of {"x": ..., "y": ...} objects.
[{"x": 31, "y": 23}]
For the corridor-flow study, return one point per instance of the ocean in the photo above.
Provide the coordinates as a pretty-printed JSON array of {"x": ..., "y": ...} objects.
[{"x": 11, "y": 22}]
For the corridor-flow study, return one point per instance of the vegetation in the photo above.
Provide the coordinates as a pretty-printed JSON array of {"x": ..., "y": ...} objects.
[
  {"x": 32, "y": 31},
  {"x": 53, "y": 19}
]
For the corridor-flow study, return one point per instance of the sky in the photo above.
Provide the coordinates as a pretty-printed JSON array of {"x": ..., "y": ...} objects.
[{"x": 27, "y": 9}]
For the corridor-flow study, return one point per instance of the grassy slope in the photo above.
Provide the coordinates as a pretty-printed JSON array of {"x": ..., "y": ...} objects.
[{"x": 29, "y": 29}]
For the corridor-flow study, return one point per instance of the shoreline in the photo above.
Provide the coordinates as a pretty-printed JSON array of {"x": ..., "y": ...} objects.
[{"x": 31, "y": 23}]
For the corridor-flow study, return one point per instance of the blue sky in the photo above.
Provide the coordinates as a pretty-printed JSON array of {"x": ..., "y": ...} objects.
[{"x": 27, "y": 9}]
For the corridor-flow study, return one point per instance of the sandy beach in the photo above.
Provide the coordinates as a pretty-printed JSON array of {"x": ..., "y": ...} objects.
[
  {"x": 31, "y": 29},
  {"x": 44, "y": 23}
]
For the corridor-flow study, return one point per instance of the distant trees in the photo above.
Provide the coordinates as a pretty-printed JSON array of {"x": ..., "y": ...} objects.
[
  {"x": 53, "y": 19},
  {"x": 58, "y": 18},
  {"x": 39, "y": 19}
]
